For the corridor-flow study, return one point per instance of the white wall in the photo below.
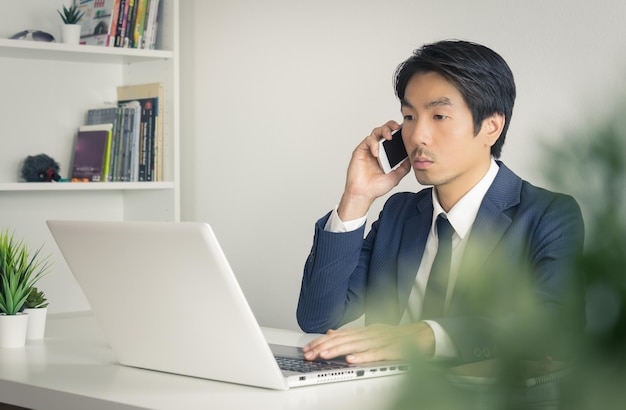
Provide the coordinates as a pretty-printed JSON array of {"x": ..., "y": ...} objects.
[{"x": 275, "y": 95}]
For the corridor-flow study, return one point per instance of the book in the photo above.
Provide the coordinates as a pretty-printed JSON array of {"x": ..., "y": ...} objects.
[
  {"x": 92, "y": 153},
  {"x": 150, "y": 98},
  {"x": 148, "y": 121},
  {"x": 121, "y": 23},
  {"x": 97, "y": 22},
  {"x": 132, "y": 129},
  {"x": 139, "y": 22},
  {"x": 124, "y": 167},
  {"x": 114, "y": 18},
  {"x": 109, "y": 115},
  {"x": 128, "y": 24},
  {"x": 119, "y": 153}
]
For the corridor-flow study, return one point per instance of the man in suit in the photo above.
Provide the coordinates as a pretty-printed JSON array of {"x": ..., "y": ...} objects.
[{"x": 507, "y": 235}]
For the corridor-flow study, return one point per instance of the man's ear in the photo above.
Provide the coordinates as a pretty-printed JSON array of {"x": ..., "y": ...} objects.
[{"x": 492, "y": 128}]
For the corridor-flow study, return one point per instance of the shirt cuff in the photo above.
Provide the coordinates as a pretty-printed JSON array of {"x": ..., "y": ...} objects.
[
  {"x": 336, "y": 225},
  {"x": 444, "y": 346}
]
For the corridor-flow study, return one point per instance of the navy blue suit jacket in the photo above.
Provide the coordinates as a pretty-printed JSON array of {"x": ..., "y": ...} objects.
[{"x": 522, "y": 244}]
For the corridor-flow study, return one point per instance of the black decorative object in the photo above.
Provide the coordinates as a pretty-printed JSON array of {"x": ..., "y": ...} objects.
[{"x": 40, "y": 168}]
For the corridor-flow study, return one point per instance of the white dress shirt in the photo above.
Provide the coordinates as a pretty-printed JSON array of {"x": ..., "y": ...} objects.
[{"x": 461, "y": 217}]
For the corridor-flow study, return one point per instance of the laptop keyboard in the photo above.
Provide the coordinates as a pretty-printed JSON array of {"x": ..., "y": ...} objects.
[{"x": 305, "y": 366}]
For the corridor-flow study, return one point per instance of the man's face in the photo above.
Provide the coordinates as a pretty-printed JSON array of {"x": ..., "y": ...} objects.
[{"x": 438, "y": 131}]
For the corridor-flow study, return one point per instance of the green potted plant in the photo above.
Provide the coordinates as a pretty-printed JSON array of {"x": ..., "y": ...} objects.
[
  {"x": 19, "y": 271},
  {"x": 37, "y": 309},
  {"x": 36, "y": 299},
  {"x": 70, "y": 30}
]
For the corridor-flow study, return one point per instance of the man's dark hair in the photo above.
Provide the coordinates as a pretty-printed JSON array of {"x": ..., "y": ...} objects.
[{"x": 481, "y": 75}]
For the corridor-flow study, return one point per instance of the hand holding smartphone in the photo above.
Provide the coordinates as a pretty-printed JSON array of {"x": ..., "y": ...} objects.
[{"x": 392, "y": 152}]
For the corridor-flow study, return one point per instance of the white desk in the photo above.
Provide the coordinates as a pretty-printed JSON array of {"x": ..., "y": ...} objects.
[{"x": 73, "y": 368}]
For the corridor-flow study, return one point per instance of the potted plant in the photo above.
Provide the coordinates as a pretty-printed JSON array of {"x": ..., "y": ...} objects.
[
  {"x": 37, "y": 309},
  {"x": 19, "y": 271},
  {"x": 70, "y": 30}
]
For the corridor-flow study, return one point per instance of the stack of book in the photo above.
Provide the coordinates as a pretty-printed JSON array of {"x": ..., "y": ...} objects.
[
  {"x": 122, "y": 143},
  {"x": 119, "y": 23}
]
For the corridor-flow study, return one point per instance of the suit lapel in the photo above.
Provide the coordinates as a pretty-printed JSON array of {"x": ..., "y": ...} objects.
[
  {"x": 492, "y": 219},
  {"x": 412, "y": 245}
]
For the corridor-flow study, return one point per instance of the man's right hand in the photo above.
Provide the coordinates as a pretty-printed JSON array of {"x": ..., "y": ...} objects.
[{"x": 366, "y": 181}]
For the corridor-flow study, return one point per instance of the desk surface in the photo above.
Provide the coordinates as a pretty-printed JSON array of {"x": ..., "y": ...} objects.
[{"x": 74, "y": 368}]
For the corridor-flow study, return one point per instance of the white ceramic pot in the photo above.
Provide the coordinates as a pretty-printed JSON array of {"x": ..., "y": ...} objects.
[
  {"x": 36, "y": 323},
  {"x": 70, "y": 33},
  {"x": 13, "y": 330}
]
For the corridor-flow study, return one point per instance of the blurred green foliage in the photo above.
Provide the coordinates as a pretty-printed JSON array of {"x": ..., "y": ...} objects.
[{"x": 588, "y": 163}]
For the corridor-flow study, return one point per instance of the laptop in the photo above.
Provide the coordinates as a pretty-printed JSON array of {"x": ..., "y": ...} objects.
[{"x": 167, "y": 300}]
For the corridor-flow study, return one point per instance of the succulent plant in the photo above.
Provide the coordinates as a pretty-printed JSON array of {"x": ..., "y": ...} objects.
[
  {"x": 36, "y": 299},
  {"x": 71, "y": 15}
]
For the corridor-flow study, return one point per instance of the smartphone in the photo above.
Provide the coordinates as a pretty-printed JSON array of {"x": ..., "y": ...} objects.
[{"x": 391, "y": 152}]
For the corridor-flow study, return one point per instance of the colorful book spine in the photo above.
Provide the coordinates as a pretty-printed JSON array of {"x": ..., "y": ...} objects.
[
  {"x": 114, "y": 18},
  {"x": 121, "y": 23},
  {"x": 139, "y": 23},
  {"x": 128, "y": 24},
  {"x": 150, "y": 118}
]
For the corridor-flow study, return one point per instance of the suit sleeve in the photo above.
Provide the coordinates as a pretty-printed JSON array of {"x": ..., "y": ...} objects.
[{"x": 333, "y": 287}]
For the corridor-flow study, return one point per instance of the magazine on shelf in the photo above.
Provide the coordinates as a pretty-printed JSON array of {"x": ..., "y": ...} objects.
[
  {"x": 97, "y": 21},
  {"x": 92, "y": 150}
]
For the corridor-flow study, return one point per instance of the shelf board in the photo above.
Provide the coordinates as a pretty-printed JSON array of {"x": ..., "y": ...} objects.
[
  {"x": 82, "y": 186},
  {"x": 42, "y": 50}
]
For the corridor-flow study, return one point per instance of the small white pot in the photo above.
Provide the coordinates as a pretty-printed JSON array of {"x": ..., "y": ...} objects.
[
  {"x": 13, "y": 330},
  {"x": 36, "y": 323},
  {"x": 70, "y": 33}
]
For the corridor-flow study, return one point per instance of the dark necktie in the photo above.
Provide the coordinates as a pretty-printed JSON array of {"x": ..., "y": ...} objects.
[{"x": 437, "y": 286}]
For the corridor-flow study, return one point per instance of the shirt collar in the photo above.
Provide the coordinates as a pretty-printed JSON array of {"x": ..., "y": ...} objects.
[{"x": 463, "y": 213}]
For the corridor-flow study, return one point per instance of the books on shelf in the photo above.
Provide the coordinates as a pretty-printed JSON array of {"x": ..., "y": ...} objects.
[
  {"x": 119, "y": 23},
  {"x": 113, "y": 116},
  {"x": 136, "y": 140},
  {"x": 150, "y": 25},
  {"x": 92, "y": 153},
  {"x": 149, "y": 142}
]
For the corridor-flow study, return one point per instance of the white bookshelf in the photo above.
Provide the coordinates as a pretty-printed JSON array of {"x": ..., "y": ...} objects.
[{"x": 47, "y": 89}]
